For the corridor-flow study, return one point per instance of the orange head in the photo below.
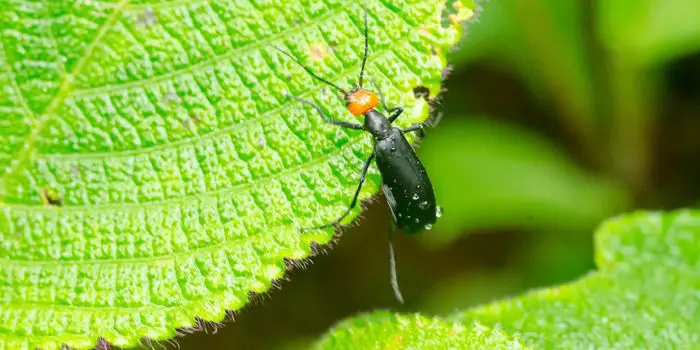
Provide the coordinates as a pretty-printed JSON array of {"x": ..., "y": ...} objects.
[{"x": 361, "y": 101}]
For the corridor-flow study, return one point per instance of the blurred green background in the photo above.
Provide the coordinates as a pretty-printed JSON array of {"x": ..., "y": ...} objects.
[{"x": 557, "y": 115}]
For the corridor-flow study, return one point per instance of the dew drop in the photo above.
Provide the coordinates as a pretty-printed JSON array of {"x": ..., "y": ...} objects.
[
  {"x": 416, "y": 220},
  {"x": 428, "y": 226},
  {"x": 438, "y": 211},
  {"x": 393, "y": 149},
  {"x": 423, "y": 205},
  {"x": 415, "y": 196},
  {"x": 418, "y": 187}
]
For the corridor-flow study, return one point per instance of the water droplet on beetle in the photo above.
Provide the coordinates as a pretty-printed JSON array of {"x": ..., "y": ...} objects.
[
  {"x": 428, "y": 227},
  {"x": 416, "y": 220},
  {"x": 418, "y": 187},
  {"x": 438, "y": 211},
  {"x": 423, "y": 205},
  {"x": 415, "y": 196},
  {"x": 393, "y": 149}
]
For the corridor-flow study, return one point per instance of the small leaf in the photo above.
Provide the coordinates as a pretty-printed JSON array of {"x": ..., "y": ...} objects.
[
  {"x": 182, "y": 171},
  {"x": 385, "y": 330},
  {"x": 645, "y": 294}
]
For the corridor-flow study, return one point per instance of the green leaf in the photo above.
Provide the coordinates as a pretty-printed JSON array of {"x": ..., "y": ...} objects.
[
  {"x": 649, "y": 32},
  {"x": 645, "y": 294},
  {"x": 547, "y": 49},
  {"x": 385, "y": 330},
  {"x": 151, "y": 169},
  {"x": 501, "y": 183}
]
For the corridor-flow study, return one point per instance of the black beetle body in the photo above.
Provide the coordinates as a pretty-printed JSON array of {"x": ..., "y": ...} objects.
[{"x": 407, "y": 186}]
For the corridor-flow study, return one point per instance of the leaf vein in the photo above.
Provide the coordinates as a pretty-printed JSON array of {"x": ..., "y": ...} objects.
[{"x": 63, "y": 91}]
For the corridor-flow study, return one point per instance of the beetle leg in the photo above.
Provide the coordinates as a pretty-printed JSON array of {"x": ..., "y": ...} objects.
[
  {"x": 414, "y": 127},
  {"x": 365, "y": 168},
  {"x": 381, "y": 95},
  {"x": 327, "y": 119},
  {"x": 391, "y": 111},
  {"x": 395, "y": 113},
  {"x": 392, "y": 266}
]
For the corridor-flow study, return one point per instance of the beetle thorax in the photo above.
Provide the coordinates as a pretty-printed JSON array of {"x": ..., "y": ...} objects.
[
  {"x": 376, "y": 123},
  {"x": 361, "y": 101}
]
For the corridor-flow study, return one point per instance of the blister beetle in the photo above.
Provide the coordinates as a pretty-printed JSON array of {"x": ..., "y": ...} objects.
[{"x": 406, "y": 184}]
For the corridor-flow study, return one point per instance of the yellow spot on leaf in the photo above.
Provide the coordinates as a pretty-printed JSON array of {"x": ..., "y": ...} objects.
[{"x": 318, "y": 51}]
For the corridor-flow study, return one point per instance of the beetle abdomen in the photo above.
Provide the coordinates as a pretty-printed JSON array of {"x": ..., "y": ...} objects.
[{"x": 410, "y": 193}]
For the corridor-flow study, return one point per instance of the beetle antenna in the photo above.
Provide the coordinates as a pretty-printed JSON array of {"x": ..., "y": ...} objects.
[
  {"x": 309, "y": 71},
  {"x": 364, "y": 57},
  {"x": 392, "y": 267}
]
